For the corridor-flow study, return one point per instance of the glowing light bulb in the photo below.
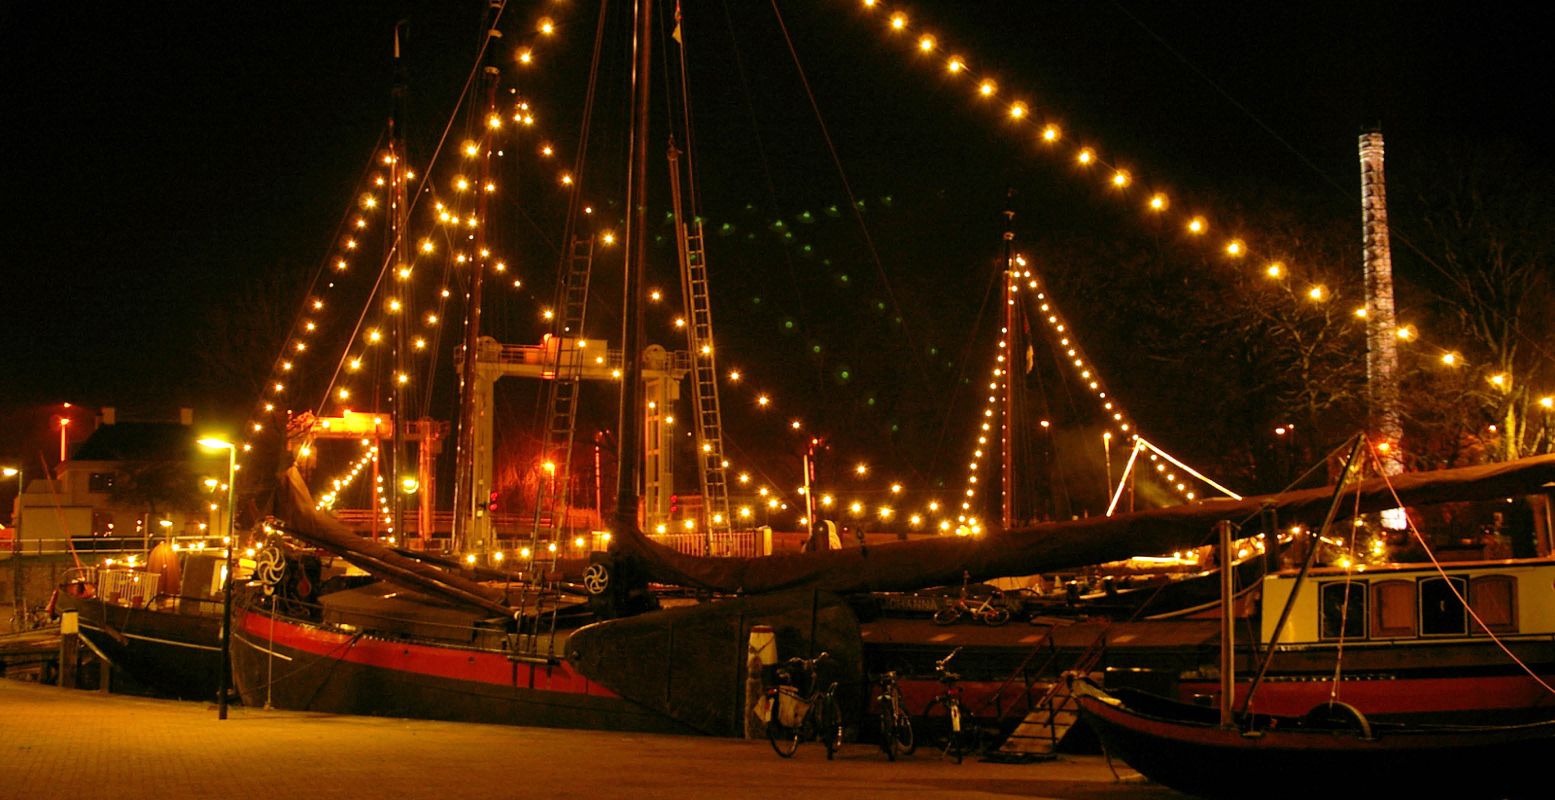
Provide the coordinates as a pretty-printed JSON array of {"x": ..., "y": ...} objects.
[
  {"x": 1121, "y": 178},
  {"x": 987, "y": 88},
  {"x": 898, "y": 21},
  {"x": 1158, "y": 202},
  {"x": 1274, "y": 270},
  {"x": 1017, "y": 110},
  {"x": 1086, "y": 156},
  {"x": 1051, "y": 133},
  {"x": 954, "y": 65},
  {"x": 926, "y": 43},
  {"x": 1197, "y": 225},
  {"x": 1450, "y": 359}
]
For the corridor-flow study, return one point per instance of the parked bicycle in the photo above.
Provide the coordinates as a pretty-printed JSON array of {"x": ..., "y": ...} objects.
[
  {"x": 990, "y": 610},
  {"x": 803, "y": 706},
  {"x": 895, "y": 723},
  {"x": 944, "y": 720}
]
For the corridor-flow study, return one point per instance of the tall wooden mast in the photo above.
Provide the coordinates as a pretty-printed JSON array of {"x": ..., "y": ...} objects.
[{"x": 629, "y": 424}]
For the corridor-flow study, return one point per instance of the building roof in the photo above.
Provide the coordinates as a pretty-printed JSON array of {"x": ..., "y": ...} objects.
[{"x": 139, "y": 441}]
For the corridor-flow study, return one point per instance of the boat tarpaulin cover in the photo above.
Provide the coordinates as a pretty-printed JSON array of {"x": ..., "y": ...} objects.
[
  {"x": 318, "y": 528},
  {"x": 905, "y": 566}
]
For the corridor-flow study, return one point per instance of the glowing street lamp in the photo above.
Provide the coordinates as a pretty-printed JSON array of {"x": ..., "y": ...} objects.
[
  {"x": 64, "y": 426},
  {"x": 16, "y": 519},
  {"x": 210, "y": 443}
]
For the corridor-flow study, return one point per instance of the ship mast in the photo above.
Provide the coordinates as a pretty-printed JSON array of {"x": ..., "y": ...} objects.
[
  {"x": 400, "y": 222},
  {"x": 629, "y": 422},
  {"x": 1013, "y": 351},
  {"x": 469, "y": 495}
]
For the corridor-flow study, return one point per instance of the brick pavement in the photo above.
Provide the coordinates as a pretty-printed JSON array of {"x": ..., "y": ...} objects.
[{"x": 73, "y": 744}]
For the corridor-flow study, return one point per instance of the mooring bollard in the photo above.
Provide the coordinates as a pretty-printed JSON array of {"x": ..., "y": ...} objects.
[
  {"x": 759, "y": 653},
  {"x": 69, "y": 648}
]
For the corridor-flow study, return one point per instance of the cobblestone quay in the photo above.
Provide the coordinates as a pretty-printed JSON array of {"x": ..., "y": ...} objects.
[{"x": 65, "y": 744}]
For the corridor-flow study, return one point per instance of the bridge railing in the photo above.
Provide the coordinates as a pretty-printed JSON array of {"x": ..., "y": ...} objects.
[{"x": 734, "y": 544}]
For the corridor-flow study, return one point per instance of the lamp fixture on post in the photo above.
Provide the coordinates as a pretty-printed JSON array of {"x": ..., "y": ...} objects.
[
  {"x": 18, "y": 600},
  {"x": 226, "y": 601}
]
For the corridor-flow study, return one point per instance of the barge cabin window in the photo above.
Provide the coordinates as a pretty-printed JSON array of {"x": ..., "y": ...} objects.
[
  {"x": 1344, "y": 609},
  {"x": 1441, "y": 612},
  {"x": 1393, "y": 609},
  {"x": 1403, "y": 608}
]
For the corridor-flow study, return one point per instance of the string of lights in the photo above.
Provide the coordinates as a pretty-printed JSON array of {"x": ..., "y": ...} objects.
[{"x": 1049, "y": 136}]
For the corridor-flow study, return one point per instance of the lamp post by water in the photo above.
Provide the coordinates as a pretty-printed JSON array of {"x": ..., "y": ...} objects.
[
  {"x": 226, "y": 600},
  {"x": 16, "y": 519},
  {"x": 18, "y": 600},
  {"x": 64, "y": 427}
]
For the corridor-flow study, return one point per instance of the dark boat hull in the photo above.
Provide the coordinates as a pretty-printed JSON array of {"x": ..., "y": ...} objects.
[
  {"x": 299, "y": 665},
  {"x": 169, "y": 652},
  {"x": 1184, "y": 748}
]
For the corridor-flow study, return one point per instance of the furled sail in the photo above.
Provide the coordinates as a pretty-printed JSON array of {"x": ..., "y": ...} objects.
[
  {"x": 318, "y": 528},
  {"x": 904, "y": 566}
]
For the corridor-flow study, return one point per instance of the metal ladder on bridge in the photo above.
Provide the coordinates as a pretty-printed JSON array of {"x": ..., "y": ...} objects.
[
  {"x": 562, "y": 395},
  {"x": 704, "y": 384}
]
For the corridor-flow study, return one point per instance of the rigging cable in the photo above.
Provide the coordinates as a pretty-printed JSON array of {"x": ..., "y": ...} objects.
[{"x": 869, "y": 242}]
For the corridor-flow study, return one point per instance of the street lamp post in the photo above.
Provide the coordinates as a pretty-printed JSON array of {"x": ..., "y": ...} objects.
[
  {"x": 16, "y": 518},
  {"x": 64, "y": 426},
  {"x": 226, "y": 600},
  {"x": 18, "y": 599}
]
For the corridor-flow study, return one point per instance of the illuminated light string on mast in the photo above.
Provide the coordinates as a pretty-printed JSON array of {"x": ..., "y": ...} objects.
[
  {"x": 1119, "y": 423},
  {"x": 734, "y": 378},
  {"x": 297, "y": 343},
  {"x": 1050, "y": 136},
  {"x": 328, "y": 500}
]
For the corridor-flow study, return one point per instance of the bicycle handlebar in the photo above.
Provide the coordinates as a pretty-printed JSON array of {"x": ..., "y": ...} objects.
[
  {"x": 808, "y": 663},
  {"x": 940, "y": 664}
]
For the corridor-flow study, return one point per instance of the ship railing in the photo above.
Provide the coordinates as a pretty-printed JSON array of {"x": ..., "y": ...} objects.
[
  {"x": 731, "y": 544},
  {"x": 131, "y": 588}
]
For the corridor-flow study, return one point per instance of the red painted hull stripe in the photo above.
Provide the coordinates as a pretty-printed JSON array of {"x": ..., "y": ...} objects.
[{"x": 476, "y": 666}]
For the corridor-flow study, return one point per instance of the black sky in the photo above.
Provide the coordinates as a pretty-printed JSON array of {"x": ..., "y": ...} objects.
[{"x": 158, "y": 158}]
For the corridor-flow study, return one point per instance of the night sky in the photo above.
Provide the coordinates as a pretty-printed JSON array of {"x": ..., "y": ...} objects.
[{"x": 164, "y": 163}]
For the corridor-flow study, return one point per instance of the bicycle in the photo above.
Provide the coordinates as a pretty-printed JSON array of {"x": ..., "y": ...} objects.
[
  {"x": 944, "y": 719},
  {"x": 991, "y": 610},
  {"x": 895, "y": 723},
  {"x": 797, "y": 716}
]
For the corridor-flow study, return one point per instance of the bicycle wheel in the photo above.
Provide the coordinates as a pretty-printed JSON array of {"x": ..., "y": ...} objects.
[
  {"x": 785, "y": 740},
  {"x": 947, "y": 615},
  {"x": 829, "y": 726},
  {"x": 942, "y": 727},
  {"x": 888, "y": 741},
  {"x": 903, "y": 731},
  {"x": 997, "y": 616}
]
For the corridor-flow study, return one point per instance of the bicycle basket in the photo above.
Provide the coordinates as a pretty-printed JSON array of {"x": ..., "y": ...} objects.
[{"x": 791, "y": 708}]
